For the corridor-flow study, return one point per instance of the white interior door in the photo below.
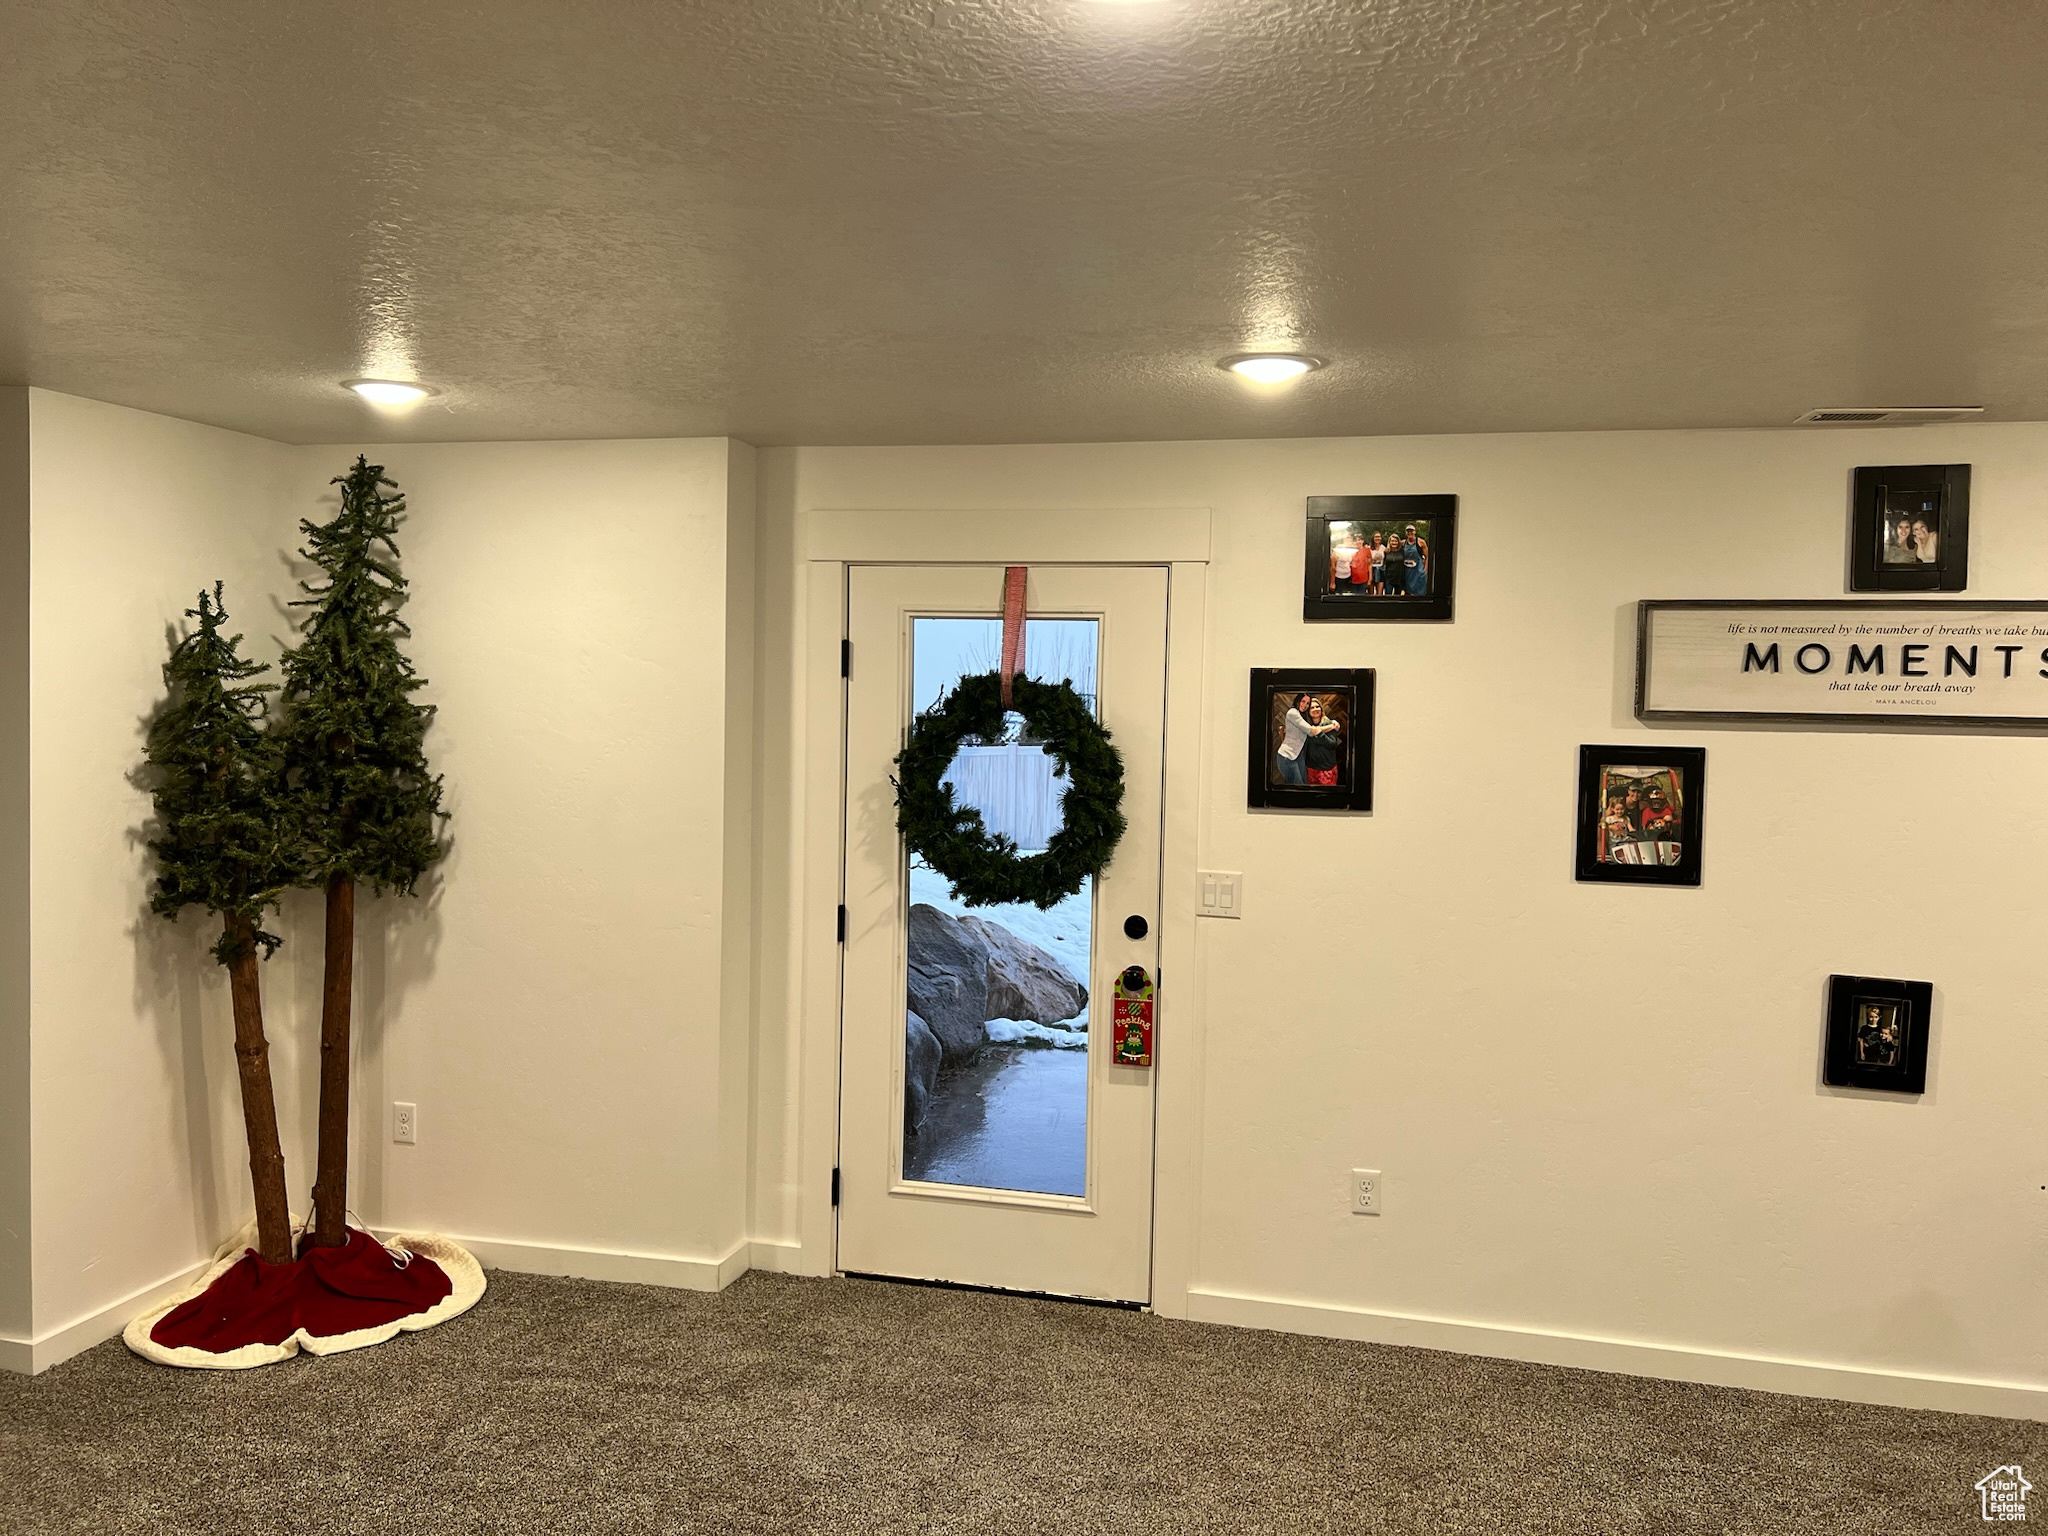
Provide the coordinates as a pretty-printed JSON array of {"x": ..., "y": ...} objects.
[{"x": 1024, "y": 1159}]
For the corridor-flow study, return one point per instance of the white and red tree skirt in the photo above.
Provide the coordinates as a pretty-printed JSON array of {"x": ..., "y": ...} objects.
[{"x": 243, "y": 1312}]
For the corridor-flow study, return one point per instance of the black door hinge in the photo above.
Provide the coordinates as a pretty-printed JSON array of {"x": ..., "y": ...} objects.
[
  {"x": 846, "y": 658},
  {"x": 842, "y": 925},
  {"x": 835, "y": 1186}
]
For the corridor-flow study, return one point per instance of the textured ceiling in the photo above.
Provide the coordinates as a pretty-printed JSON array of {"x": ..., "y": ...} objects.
[{"x": 868, "y": 221}]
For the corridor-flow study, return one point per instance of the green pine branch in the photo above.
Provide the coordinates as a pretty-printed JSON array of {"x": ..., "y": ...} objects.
[
  {"x": 363, "y": 798},
  {"x": 215, "y": 782}
]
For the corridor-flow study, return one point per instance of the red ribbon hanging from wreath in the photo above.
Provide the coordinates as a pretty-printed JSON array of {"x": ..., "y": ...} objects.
[{"x": 1013, "y": 627}]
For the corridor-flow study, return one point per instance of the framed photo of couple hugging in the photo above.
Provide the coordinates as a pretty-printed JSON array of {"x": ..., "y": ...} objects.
[
  {"x": 1910, "y": 528},
  {"x": 1376, "y": 558},
  {"x": 1311, "y": 739}
]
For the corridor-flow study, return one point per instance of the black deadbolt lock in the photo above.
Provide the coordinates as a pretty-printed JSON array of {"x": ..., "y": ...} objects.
[{"x": 1135, "y": 927}]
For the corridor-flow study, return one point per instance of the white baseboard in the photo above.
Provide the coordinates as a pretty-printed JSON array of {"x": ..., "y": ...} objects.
[
  {"x": 30, "y": 1356},
  {"x": 33, "y": 1356},
  {"x": 1798, "y": 1378},
  {"x": 775, "y": 1257},
  {"x": 781, "y": 1258},
  {"x": 674, "y": 1270}
]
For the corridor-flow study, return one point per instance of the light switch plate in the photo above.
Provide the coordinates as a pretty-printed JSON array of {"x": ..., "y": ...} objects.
[{"x": 1222, "y": 893}]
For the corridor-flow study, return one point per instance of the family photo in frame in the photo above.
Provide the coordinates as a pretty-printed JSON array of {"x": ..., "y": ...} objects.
[
  {"x": 1379, "y": 558},
  {"x": 1640, "y": 814},
  {"x": 1310, "y": 739}
]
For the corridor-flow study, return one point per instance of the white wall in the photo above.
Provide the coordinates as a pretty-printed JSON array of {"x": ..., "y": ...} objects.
[
  {"x": 568, "y": 1001},
  {"x": 774, "y": 1201},
  {"x": 1597, "y": 1108},
  {"x": 140, "y": 1164},
  {"x": 16, "y": 1317},
  {"x": 553, "y": 1001},
  {"x": 738, "y": 917}
]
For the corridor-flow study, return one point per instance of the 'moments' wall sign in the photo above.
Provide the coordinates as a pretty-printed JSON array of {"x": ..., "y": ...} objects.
[{"x": 1965, "y": 663}]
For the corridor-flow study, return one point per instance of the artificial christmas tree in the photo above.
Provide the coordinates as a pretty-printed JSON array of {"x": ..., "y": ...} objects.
[
  {"x": 334, "y": 792},
  {"x": 220, "y": 844},
  {"x": 363, "y": 804}
]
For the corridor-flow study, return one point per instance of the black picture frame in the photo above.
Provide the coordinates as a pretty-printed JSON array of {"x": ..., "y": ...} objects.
[
  {"x": 1878, "y": 1029},
  {"x": 1885, "y": 495},
  {"x": 1326, "y": 598},
  {"x": 1345, "y": 690},
  {"x": 1602, "y": 853}
]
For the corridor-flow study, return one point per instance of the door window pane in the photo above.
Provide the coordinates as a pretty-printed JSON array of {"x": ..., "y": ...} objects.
[{"x": 996, "y": 1060}]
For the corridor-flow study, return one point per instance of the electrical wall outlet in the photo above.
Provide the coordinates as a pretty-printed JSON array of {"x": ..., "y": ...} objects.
[
  {"x": 1368, "y": 1193},
  {"x": 1222, "y": 893},
  {"x": 405, "y": 1123}
]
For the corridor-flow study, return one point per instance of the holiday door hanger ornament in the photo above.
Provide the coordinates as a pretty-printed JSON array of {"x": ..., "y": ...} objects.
[
  {"x": 985, "y": 869},
  {"x": 1131, "y": 1018}
]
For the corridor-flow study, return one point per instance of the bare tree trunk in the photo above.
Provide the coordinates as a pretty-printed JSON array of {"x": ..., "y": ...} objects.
[
  {"x": 259, "y": 1106},
  {"x": 330, "y": 1186}
]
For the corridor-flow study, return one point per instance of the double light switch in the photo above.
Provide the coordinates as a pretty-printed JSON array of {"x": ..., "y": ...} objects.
[{"x": 1222, "y": 894}]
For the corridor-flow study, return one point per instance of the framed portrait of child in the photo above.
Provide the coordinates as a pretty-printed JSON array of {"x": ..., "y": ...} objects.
[{"x": 1877, "y": 1033}]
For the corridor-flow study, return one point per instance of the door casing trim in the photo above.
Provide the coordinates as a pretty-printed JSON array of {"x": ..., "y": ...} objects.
[
  {"x": 1020, "y": 536},
  {"x": 833, "y": 541}
]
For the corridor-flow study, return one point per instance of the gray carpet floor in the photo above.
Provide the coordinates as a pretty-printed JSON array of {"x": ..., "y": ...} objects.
[{"x": 570, "y": 1407}]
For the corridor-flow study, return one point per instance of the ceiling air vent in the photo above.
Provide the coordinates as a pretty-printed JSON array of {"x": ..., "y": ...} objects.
[{"x": 1887, "y": 415}]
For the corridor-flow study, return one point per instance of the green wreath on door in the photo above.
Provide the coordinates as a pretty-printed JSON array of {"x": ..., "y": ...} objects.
[{"x": 985, "y": 868}]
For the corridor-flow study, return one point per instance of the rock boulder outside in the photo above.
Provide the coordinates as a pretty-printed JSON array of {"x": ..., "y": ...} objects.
[
  {"x": 948, "y": 981},
  {"x": 1024, "y": 981},
  {"x": 921, "y": 1056}
]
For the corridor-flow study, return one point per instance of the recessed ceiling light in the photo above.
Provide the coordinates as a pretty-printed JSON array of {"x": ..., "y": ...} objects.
[
  {"x": 388, "y": 391},
  {"x": 1271, "y": 367}
]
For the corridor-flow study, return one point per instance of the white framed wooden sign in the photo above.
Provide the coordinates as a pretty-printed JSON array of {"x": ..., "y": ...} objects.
[{"x": 1874, "y": 661}]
